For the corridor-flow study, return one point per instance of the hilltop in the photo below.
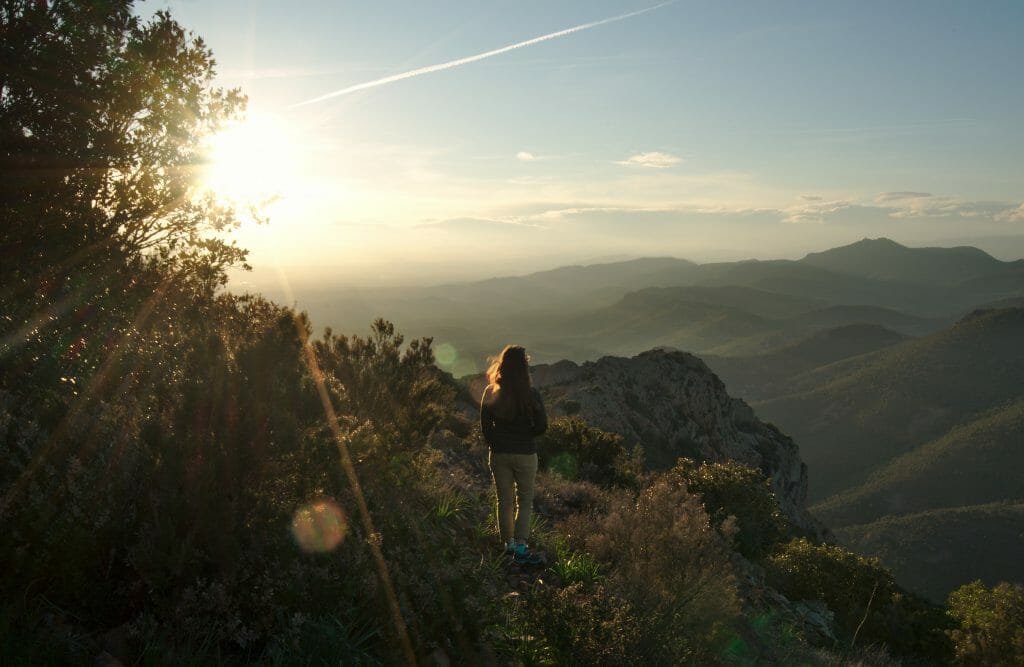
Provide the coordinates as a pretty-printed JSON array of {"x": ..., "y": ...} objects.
[{"x": 884, "y": 259}]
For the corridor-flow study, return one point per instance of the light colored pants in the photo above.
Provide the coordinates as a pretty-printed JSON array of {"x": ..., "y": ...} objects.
[{"x": 513, "y": 480}]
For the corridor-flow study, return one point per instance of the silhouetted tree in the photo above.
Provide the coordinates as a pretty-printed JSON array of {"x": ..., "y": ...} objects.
[{"x": 101, "y": 117}]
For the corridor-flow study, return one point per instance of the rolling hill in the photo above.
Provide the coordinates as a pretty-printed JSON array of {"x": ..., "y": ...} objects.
[
  {"x": 935, "y": 552},
  {"x": 855, "y": 416},
  {"x": 974, "y": 463},
  {"x": 760, "y": 377},
  {"x": 838, "y": 316}
]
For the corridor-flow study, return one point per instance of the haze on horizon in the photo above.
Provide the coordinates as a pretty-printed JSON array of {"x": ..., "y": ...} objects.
[{"x": 703, "y": 130}]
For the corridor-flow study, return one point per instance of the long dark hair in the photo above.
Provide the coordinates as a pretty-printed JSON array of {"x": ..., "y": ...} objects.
[{"x": 509, "y": 377}]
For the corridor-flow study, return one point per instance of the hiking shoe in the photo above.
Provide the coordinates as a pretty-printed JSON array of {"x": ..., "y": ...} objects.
[
  {"x": 510, "y": 549},
  {"x": 523, "y": 556}
]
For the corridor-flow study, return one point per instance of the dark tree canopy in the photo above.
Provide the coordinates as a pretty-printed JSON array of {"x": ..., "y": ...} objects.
[{"x": 101, "y": 120}]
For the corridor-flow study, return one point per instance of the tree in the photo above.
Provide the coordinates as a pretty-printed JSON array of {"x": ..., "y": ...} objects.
[{"x": 101, "y": 120}]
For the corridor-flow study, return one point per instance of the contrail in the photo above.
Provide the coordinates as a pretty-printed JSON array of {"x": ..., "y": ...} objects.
[{"x": 480, "y": 56}]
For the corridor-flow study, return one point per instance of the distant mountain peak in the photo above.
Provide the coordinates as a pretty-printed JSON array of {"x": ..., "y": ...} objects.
[{"x": 880, "y": 242}]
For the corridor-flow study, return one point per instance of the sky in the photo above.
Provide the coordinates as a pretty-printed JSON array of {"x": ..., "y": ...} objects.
[{"x": 711, "y": 130}]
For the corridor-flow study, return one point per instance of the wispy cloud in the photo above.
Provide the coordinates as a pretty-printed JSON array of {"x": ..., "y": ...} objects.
[
  {"x": 429, "y": 69},
  {"x": 948, "y": 207},
  {"x": 560, "y": 213},
  {"x": 525, "y": 156},
  {"x": 813, "y": 212},
  {"x": 652, "y": 159},
  {"x": 901, "y": 195},
  {"x": 810, "y": 197}
]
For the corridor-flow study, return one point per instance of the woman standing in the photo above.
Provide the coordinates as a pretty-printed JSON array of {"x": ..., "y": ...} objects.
[{"x": 511, "y": 415}]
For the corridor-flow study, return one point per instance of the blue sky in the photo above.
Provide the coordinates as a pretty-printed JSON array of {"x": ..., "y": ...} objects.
[{"x": 707, "y": 130}]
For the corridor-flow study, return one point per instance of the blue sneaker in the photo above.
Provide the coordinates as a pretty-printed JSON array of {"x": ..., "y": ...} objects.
[{"x": 523, "y": 556}]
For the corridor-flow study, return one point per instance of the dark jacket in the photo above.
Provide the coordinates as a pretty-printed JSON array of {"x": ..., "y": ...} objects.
[{"x": 513, "y": 436}]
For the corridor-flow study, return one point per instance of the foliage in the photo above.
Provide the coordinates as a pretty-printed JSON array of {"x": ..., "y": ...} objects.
[
  {"x": 675, "y": 572},
  {"x": 587, "y": 627},
  {"x": 101, "y": 118},
  {"x": 731, "y": 489},
  {"x": 868, "y": 604},
  {"x": 399, "y": 392},
  {"x": 575, "y": 450},
  {"x": 991, "y": 623},
  {"x": 157, "y": 440},
  {"x": 162, "y": 505},
  {"x": 573, "y": 567}
]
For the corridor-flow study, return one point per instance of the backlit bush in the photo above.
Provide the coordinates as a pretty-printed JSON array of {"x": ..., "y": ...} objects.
[
  {"x": 733, "y": 489},
  {"x": 573, "y": 450},
  {"x": 672, "y": 568},
  {"x": 990, "y": 624},
  {"x": 867, "y": 603}
]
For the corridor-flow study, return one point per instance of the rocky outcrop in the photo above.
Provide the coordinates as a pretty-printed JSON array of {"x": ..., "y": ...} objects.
[{"x": 671, "y": 403}]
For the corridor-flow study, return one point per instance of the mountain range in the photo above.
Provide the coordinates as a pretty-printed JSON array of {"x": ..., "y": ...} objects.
[
  {"x": 896, "y": 371},
  {"x": 728, "y": 308}
]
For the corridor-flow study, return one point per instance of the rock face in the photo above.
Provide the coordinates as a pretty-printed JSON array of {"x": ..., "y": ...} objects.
[{"x": 672, "y": 404}]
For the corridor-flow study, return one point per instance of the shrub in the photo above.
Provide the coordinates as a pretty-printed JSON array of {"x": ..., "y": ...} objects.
[
  {"x": 990, "y": 624},
  {"x": 733, "y": 489},
  {"x": 586, "y": 626},
  {"x": 868, "y": 605},
  {"x": 399, "y": 391},
  {"x": 573, "y": 450},
  {"x": 662, "y": 557}
]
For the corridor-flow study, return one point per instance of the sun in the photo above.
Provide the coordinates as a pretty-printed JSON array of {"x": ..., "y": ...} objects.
[{"x": 252, "y": 162}]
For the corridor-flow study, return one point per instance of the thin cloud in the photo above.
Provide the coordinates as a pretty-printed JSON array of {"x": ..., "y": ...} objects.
[
  {"x": 898, "y": 196},
  {"x": 813, "y": 212},
  {"x": 571, "y": 211},
  {"x": 950, "y": 207},
  {"x": 651, "y": 159},
  {"x": 525, "y": 156},
  {"x": 810, "y": 197},
  {"x": 430, "y": 69}
]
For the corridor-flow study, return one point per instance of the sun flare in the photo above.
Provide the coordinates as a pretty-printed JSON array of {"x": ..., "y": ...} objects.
[{"x": 253, "y": 162}]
